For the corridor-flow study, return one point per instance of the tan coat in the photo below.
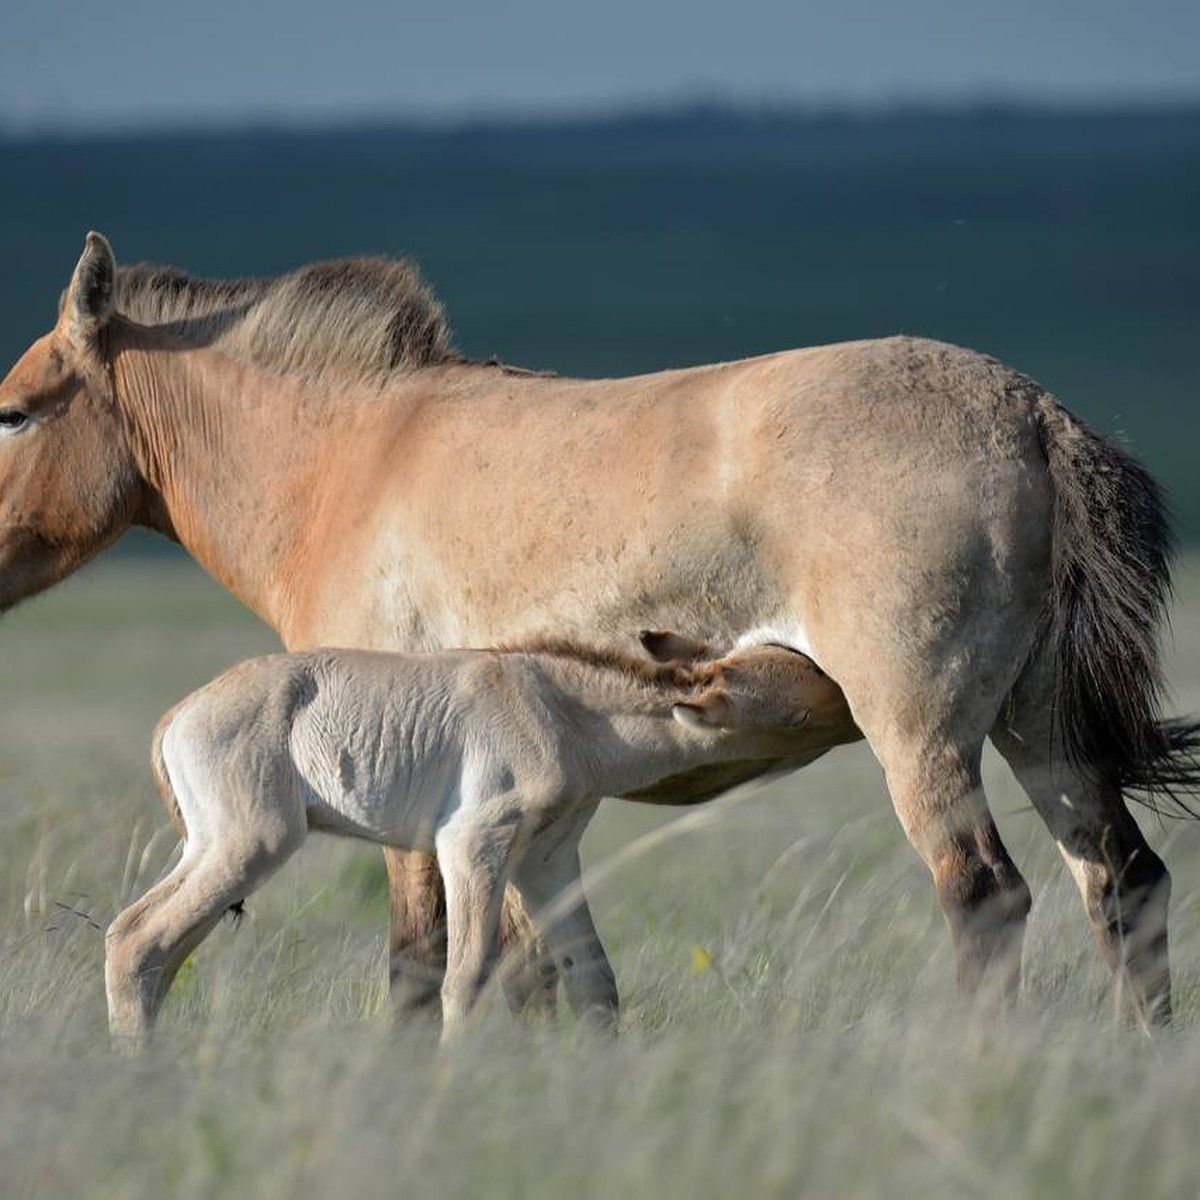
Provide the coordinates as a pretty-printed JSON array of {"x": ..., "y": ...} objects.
[{"x": 963, "y": 556}]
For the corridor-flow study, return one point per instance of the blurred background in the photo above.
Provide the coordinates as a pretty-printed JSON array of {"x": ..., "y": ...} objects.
[
  {"x": 621, "y": 188},
  {"x": 603, "y": 188}
]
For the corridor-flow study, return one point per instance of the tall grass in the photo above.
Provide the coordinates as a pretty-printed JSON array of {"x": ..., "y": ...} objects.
[{"x": 789, "y": 1022}]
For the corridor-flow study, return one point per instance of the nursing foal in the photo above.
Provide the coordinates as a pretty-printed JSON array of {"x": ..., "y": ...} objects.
[{"x": 495, "y": 759}]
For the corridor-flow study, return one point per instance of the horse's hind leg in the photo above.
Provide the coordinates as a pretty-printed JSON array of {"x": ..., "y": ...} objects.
[
  {"x": 937, "y": 794},
  {"x": 926, "y": 711},
  {"x": 149, "y": 941},
  {"x": 1124, "y": 884}
]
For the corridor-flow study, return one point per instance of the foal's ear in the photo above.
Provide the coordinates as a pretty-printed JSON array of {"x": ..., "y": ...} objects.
[
  {"x": 666, "y": 647},
  {"x": 710, "y": 710},
  {"x": 88, "y": 302}
]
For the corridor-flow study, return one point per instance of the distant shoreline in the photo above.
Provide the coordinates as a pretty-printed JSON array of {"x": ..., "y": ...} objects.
[{"x": 709, "y": 119}]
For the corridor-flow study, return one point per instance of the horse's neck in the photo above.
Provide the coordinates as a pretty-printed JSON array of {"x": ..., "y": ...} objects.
[{"x": 227, "y": 460}]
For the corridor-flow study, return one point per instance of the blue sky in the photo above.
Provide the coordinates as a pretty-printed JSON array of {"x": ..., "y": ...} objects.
[{"x": 138, "y": 63}]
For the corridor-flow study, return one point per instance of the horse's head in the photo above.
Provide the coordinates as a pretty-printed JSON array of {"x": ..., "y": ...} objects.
[
  {"x": 766, "y": 689},
  {"x": 68, "y": 485}
]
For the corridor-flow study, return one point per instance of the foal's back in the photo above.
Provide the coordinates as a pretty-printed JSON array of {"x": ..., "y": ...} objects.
[{"x": 366, "y": 744}]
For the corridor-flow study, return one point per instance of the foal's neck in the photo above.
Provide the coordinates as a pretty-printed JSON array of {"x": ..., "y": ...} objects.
[{"x": 617, "y": 682}]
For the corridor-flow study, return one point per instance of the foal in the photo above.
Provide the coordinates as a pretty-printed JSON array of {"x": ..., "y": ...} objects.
[{"x": 494, "y": 759}]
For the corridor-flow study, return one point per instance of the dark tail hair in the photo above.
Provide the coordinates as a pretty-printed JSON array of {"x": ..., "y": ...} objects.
[{"x": 1111, "y": 580}]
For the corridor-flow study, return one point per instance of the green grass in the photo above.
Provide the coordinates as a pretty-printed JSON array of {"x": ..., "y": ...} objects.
[{"x": 821, "y": 1053}]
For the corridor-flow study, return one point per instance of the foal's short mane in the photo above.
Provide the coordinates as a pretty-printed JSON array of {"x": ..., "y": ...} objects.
[
  {"x": 638, "y": 670},
  {"x": 364, "y": 318}
]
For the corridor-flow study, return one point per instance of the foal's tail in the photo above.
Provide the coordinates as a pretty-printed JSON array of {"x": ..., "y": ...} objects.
[
  {"x": 162, "y": 780},
  {"x": 162, "y": 777},
  {"x": 1111, "y": 559}
]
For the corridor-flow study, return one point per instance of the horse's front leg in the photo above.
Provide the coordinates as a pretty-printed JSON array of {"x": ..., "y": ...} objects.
[{"x": 417, "y": 942}]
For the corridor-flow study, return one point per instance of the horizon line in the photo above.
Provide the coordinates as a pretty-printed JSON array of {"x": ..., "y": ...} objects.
[{"x": 532, "y": 118}]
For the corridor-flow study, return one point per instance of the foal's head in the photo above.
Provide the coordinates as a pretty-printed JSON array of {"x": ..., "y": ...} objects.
[
  {"x": 68, "y": 485},
  {"x": 765, "y": 689},
  {"x": 755, "y": 689}
]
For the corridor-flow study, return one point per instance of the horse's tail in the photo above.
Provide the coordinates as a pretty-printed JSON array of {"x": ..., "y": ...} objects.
[{"x": 1111, "y": 581}]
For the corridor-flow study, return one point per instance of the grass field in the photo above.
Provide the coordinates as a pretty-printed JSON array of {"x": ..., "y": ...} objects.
[{"x": 789, "y": 1022}]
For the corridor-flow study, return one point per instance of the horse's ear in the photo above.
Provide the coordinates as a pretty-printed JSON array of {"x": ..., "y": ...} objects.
[
  {"x": 712, "y": 709},
  {"x": 666, "y": 647},
  {"x": 88, "y": 302}
]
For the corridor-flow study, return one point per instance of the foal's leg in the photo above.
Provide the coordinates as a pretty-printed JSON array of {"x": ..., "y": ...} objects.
[
  {"x": 530, "y": 978},
  {"x": 417, "y": 943},
  {"x": 1124, "y": 884},
  {"x": 549, "y": 878},
  {"x": 148, "y": 942},
  {"x": 473, "y": 853},
  {"x": 237, "y": 804}
]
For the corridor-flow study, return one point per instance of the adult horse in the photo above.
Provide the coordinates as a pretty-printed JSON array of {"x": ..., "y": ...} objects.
[{"x": 963, "y": 556}]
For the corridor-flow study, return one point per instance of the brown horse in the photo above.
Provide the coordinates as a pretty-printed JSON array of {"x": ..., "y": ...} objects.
[{"x": 963, "y": 556}]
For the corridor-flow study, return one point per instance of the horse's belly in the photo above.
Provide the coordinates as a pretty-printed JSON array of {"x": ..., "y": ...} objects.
[{"x": 703, "y": 577}]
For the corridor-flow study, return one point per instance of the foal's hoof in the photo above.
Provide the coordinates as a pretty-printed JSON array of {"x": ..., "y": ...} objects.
[{"x": 128, "y": 1045}]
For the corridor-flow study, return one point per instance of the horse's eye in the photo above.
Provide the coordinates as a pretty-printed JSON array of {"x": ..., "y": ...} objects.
[{"x": 12, "y": 419}]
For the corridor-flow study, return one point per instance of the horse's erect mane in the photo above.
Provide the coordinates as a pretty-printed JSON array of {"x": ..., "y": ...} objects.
[{"x": 363, "y": 318}]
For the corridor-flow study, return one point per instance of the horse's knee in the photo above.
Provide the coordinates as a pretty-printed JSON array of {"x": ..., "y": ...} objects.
[
  {"x": 415, "y": 983},
  {"x": 116, "y": 953},
  {"x": 1124, "y": 889},
  {"x": 530, "y": 979}
]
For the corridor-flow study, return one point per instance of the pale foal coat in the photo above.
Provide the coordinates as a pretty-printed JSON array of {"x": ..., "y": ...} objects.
[{"x": 496, "y": 760}]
